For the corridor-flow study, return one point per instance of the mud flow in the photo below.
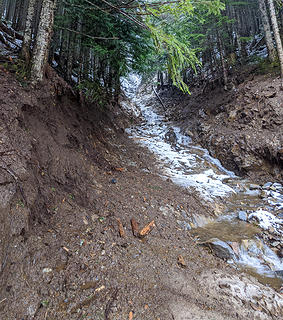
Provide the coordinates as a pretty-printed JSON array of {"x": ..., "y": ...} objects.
[{"x": 246, "y": 226}]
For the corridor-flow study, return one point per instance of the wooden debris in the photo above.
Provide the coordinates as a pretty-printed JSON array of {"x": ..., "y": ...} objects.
[
  {"x": 181, "y": 261},
  {"x": 147, "y": 229},
  {"x": 99, "y": 289},
  {"x": 121, "y": 228},
  {"x": 135, "y": 227},
  {"x": 131, "y": 315},
  {"x": 120, "y": 169}
]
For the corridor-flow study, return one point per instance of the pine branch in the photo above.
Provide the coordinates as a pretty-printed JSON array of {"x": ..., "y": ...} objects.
[
  {"x": 122, "y": 12},
  {"x": 86, "y": 35}
]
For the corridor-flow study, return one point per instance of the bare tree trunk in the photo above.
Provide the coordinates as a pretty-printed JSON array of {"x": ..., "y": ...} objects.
[
  {"x": 28, "y": 32},
  {"x": 22, "y": 16},
  {"x": 267, "y": 30},
  {"x": 70, "y": 57},
  {"x": 40, "y": 52},
  {"x": 277, "y": 37},
  {"x": 9, "y": 11},
  {"x": 223, "y": 64},
  {"x": 2, "y": 6}
]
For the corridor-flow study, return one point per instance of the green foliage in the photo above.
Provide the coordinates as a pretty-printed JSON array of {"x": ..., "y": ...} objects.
[
  {"x": 143, "y": 37},
  {"x": 20, "y": 68},
  {"x": 246, "y": 39},
  {"x": 179, "y": 55},
  {"x": 94, "y": 92},
  {"x": 264, "y": 66},
  {"x": 175, "y": 30}
]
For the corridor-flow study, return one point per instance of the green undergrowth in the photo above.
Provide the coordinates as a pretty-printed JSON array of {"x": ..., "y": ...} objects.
[
  {"x": 20, "y": 69},
  {"x": 265, "y": 66}
]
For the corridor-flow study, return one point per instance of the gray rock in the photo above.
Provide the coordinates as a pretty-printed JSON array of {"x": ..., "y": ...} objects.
[
  {"x": 184, "y": 225},
  {"x": 221, "y": 249},
  {"x": 170, "y": 136},
  {"x": 267, "y": 185},
  {"x": 242, "y": 215},
  {"x": 279, "y": 273},
  {"x": 254, "y": 186}
]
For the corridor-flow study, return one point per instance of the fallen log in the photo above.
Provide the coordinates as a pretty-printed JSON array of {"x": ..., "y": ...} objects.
[{"x": 12, "y": 33}]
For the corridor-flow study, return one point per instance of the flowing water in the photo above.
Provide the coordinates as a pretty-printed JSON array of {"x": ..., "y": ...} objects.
[{"x": 237, "y": 202}]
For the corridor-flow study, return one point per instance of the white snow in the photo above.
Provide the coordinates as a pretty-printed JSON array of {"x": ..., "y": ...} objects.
[{"x": 266, "y": 220}]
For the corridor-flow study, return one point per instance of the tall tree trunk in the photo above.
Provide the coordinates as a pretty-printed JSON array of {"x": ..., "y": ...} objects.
[
  {"x": 8, "y": 10},
  {"x": 267, "y": 30},
  {"x": 223, "y": 64},
  {"x": 277, "y": 37},
  {"x": 16, "y": 14},
  {"x": 22, "y": 15},
  {"x": 2, "y": 8},
  {"x": 28, "y": 32},
  {"x": 40, "y": 52},
  {"x": 70, "y": 57}
]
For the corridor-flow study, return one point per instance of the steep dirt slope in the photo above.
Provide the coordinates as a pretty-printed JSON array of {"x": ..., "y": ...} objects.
[
  {"x": 242, "y": 127},
  {"x": 67, "y": 174}
]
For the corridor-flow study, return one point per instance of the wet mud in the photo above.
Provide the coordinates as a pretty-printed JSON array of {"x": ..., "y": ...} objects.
[{"x": 68, "y": 173}]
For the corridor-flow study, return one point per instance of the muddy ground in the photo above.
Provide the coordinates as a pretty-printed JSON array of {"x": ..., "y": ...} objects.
[
  {"x": 242, "y": 127},
  {"x": 68, "y": 172}
]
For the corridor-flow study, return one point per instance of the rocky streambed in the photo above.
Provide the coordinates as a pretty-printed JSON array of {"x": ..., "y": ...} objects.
[{"x": 244, "y": 225}]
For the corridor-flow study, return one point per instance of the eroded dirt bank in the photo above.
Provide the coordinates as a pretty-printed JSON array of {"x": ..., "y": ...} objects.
[
  {"x": 67, "y": 174},
  {"x": 242, "y": 127}
]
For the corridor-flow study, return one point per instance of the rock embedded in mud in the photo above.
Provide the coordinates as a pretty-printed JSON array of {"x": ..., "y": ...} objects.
[
  {"x": 242, "y": 215},
  {"x": 220, "y": 248},
  {"x": 170, "y": 136}
]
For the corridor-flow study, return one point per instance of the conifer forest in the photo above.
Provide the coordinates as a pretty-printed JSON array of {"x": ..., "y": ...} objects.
[{"x": 94, "y": 43}]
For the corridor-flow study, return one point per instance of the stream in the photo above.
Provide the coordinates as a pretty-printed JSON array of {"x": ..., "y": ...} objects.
[{"x": 247, "y": 227}]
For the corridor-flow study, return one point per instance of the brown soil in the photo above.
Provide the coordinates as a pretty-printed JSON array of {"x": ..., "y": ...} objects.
[
  {"x": 61, "y": 255},
  {"x": 242, "y": 127}
]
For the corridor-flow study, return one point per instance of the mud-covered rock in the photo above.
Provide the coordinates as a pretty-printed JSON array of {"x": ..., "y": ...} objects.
[{"x": 220, "y": 248}]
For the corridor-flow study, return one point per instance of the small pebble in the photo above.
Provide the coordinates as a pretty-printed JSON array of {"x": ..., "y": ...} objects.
[{"x": 242, "y": 215}]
